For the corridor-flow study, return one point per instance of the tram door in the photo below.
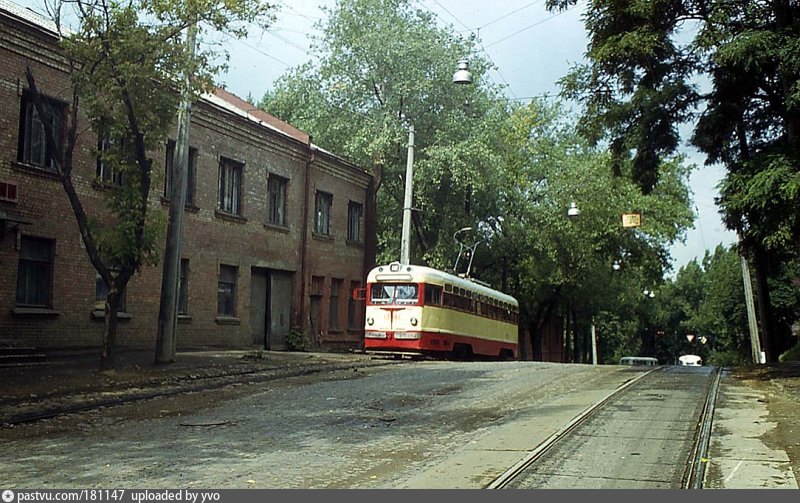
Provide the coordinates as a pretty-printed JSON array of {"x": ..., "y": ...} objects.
[{"x": 270, "y": 307}]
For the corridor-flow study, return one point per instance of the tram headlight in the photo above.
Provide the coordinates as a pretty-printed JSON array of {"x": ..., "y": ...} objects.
[
  {"x": 413, "y": 321},
  {"x": 370, "y": 321}
]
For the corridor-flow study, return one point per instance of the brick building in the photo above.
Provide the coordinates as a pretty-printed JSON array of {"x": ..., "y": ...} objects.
[{"x": 273, "y": 237}]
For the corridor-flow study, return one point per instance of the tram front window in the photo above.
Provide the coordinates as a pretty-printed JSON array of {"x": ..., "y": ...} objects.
[{"x": 394, "y": 294}]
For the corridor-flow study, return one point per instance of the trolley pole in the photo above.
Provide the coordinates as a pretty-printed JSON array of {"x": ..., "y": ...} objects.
[{"x": 405, "y": 239}]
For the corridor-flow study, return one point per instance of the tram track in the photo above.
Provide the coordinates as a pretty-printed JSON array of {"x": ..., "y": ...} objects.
[
  {"x": 48, "y": 409},
  {"x": 694, "y": 470}
]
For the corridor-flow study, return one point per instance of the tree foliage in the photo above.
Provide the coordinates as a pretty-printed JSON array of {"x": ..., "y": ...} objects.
[
  {"x": 730, "y": 67},
  {"x": 126, "y": 59}
]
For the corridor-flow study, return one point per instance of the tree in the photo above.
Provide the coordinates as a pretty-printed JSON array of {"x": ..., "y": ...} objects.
[
  {"x": 125, "y": 59},
  {"x": 384, "y": 66},
  {"x": 650, "y": 61},
  {"x": 558, "y": 266}
]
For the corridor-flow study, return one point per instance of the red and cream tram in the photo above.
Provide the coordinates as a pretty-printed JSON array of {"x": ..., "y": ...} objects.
[{"x": 417, "y": 310}]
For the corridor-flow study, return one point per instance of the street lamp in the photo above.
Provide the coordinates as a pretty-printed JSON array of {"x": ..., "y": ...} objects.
[
  {"x": 573, "y": 210},
  {"x": 462, "y": 76}
]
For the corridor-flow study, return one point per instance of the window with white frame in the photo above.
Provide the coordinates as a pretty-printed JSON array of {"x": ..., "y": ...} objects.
[{"x": 230, "y": 186}]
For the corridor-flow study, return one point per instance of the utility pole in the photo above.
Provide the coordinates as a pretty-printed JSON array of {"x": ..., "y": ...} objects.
[
  {"x": 755, "y": 343},
  {"x": 405, "y": 238},
  {"x": 168, "y": 307},
  {"x": 594, "y": 343}
]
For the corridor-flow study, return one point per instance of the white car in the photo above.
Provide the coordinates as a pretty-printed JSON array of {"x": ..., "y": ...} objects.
[{"x": 690, "y": 360}]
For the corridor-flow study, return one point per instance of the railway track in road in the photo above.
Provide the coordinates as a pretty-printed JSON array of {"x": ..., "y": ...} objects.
[
  {"x": 30, "y": 411},
  {"x": 550, "y": 463}
]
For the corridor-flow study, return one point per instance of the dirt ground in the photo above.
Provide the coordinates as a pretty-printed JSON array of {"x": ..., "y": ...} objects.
[{"x": 780, "y": 383}]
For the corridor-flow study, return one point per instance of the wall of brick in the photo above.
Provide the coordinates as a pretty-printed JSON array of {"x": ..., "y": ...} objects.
[{"x": 210, "y": 237}]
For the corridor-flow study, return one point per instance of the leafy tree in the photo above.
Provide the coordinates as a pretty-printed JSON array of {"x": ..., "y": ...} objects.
[
  {"x": 125, "y": 59},
  {"x": 384, "y": 65},
  {"x": 646, "y": 60},
  {"x": 558, "y": 266}
]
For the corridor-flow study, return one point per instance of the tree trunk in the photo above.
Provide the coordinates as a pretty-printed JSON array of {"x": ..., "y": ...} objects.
[{"x": 108, "y": 352}]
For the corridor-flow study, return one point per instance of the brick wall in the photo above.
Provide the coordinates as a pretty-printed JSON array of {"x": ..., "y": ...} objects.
[{"x": 210, "y": 238}]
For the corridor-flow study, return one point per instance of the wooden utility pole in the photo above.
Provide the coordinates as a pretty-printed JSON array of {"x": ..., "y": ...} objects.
[{"x": 168, "y": 307}]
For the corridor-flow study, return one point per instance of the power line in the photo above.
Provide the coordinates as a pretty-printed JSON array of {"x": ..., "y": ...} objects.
[
  {"x": 528, "y": 27},
  {"x": 480, "y": 44},
  {"x": 509, "y": 14}
]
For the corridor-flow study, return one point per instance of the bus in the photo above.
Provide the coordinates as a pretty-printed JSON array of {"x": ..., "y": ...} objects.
[{"x": 417, "y": 310}]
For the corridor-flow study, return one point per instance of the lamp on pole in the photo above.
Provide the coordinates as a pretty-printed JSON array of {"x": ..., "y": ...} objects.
[{"x": 461, "y": 76}]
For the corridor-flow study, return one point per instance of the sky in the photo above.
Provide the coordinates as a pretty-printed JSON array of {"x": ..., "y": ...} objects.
[{"x": 531, "y": 48}]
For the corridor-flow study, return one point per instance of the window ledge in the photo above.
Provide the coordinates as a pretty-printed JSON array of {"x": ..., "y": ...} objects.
[
  {"x": 100, "y": 314},
  {"x": 101, "y": 185},
  {"x": 229, "y": 216},
  {"x": 191, "y": 208},
  {"x": 184, "y": 318},
  {"x": 277, "y": 228},
  {"x": 228, "y": 320},
  {"x": 34, "y": 311},
  {"x": 36, "y": 170},
  {"x": 322, "y": 237}
]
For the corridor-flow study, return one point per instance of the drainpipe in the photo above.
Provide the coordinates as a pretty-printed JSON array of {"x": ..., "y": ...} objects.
[{"x": 305, "y": 307}]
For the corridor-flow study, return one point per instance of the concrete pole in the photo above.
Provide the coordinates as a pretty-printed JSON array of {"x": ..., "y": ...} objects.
[
  {"x": 405, "y": 239},
  {"x": 168, "y": 307},
  {"x": 594, "y": 344},
  {"x": 755, "y": 343}
]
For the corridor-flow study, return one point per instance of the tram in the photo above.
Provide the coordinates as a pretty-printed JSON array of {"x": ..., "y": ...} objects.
[{"x": 416, "y": 310}]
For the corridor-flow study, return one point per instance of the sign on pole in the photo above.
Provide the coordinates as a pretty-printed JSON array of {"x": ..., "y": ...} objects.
[
  {"x": 690, "y": 337},
  {"x": 631, "y": 219}
]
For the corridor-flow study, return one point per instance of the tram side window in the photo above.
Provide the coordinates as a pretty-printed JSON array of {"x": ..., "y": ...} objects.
[{"x": 433, "y": 295}]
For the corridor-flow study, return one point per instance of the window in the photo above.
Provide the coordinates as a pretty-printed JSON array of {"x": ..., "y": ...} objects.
[
  {"x": 230, "y": 186},
  {"x": 433, "y": 295},
  {"x": 354, "y": 212},
  {"x": 322, "y": 210},
  {"x": 101, "y": 294},
  {"x": 276, "y": 188},
  {"x": 35, "y": 272},
  {"x": 384, "y": 293},
  {"x": 317, "y": 286},
  {"x": 353, "y": 311},
  {"x": 333, "y": 306},
  {"x": 183, "y": 288},
  {"x": 33, "y": 147},
  {"x": 106, "y": 174},
  {"x": 190, "y": 173},
  {"x": 226, "y": 290}
]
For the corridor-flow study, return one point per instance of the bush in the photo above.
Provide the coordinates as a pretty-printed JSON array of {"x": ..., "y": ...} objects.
[
  {"x": 727, "y": 359},
  {"x": 791, "y": 355},
  {"x": 297, "y": 340}
]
